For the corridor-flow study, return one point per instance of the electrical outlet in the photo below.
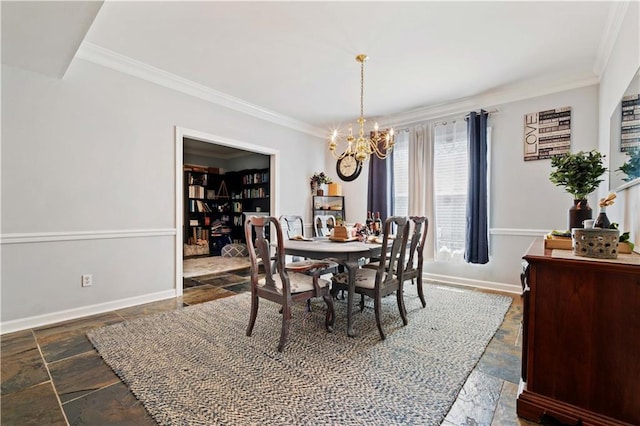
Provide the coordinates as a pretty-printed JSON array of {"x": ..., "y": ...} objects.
[{"x": 87, "y": 280}]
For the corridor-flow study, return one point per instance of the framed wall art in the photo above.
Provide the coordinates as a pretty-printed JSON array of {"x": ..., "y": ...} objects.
[{"x": 547, "y": 133}]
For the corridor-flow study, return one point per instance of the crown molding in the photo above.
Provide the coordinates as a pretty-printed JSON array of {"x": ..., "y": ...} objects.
[
  {"x": 617, "y": 11},
  {"x": 124, "y": 64},
  {"x": 486, "y": 100}
]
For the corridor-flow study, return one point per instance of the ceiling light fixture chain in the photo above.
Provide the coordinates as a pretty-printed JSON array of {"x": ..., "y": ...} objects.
[{"x": 380, "y": 143}]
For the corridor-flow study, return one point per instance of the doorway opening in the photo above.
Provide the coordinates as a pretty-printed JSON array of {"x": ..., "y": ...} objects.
[{"x": 208, "y": 211}]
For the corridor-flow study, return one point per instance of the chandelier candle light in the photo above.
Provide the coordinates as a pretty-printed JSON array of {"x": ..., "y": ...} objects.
[{"x": 379, "y": 143}]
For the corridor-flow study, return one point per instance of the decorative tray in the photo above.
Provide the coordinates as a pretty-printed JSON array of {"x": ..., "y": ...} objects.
[{"x": 563, "y": 243}]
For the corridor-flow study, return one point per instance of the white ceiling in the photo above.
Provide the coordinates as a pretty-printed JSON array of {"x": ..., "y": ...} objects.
[{"x": 297, "y": 59}]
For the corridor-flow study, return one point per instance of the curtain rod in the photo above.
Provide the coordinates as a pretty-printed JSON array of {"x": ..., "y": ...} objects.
[
  {"x": 489, "y": 112},
  {"x": 436, "y": 123}
]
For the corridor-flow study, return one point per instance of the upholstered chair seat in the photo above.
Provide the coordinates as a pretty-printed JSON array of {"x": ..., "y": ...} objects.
[{"x": 299, "y": 282}]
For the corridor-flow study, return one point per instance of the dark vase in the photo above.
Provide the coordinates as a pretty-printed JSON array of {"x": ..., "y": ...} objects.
[
  {"x": 578, "y": 212},
  {"x": 602, "y": 221}
]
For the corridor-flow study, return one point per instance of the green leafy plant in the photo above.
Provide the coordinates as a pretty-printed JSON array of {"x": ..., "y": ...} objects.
[
  {"x": 579, "y": 173},
  {"x": 624, "y": 237},
  {"x": 319, "y": 178},
  {"x": 632, "y": 167}
]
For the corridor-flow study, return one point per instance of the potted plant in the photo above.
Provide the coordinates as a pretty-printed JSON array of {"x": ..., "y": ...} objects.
[
  {"x": 632, "y": 167},
  {"x": 580, "y": 175},
  {"x": 317, "y": 180}
]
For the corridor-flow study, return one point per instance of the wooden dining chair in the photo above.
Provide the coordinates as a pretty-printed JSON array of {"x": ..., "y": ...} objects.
[
  {"x": 283, "y": 284},
  {"x": 381, "y": 282},
  {"x": 415, "y": 260},
  {"x": 292, "y": 226},
  {"x": 322, "y": 225}
]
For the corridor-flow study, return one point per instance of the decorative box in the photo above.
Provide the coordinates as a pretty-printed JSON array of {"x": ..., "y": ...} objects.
[
  {"x": 335, "y": 189},
  {"x": 596, "y": 242}
]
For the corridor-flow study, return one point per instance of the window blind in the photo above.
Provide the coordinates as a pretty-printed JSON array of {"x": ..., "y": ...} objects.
[
  {"x": 401, "y": 174},
  {"x": 450, "y": 188}
]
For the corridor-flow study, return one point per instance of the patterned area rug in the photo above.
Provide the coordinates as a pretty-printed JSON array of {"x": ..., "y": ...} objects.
[
  {"x": 213, "y": 265},
  {"x": 196, "y": 366}
]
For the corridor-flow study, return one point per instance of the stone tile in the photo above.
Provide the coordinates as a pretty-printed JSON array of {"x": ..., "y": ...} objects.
[
  {"x": 22, "y": 365},
  {"x": 240, "y": 288},
  {"x": 190, "y": 282},
  {"x": 501, "y": 360},
  {"x": 68, "y": 338},
  {"x": 78, "y": 324},
  {"x": 36, "y": 405},
  {"x": 221, "y": 280},
  {"x": 22, "y": 370},
  {"x": 505, "y": 413},
  {"x": 510, "y": 327},
  {"x": 20, "y": 341},
  {"x": 151, "y": 308},
  {"x": 243, "y": 272},
  {"x": 76, "y": 376},
  {"x": 204, "y": 293},
  {"x": 113, "y": 405},
  {"x": 476, "y": 401}
]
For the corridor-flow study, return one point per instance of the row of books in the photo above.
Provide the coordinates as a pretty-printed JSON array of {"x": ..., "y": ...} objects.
[
  {"x": 254, "y": 178},
  {"x": 254, "y": 193},
  {"x": 198, "y": 233},
  {"x": 199, "y": 206},
  {"x": 196, "y": 191}
]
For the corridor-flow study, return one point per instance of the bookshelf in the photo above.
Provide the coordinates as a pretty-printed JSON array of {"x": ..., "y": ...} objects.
[
  {"x": 328, "y": 205},
  {"x": 255, "y": 190},
  {"x": 215, "y": 205}
]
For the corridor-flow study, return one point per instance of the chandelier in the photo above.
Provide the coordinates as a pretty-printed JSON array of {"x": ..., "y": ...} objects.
[{"x": 379, "y": 143}]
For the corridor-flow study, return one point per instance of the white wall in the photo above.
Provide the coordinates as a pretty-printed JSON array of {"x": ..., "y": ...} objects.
[
  {"x": 88, "y": 186},
  {"x": 524, "y": 203},
  {"x": 620, "y": 69}
]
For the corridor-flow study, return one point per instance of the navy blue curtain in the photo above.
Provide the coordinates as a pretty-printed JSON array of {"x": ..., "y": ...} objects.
[
  {"x": 477, "y": 242},
  {"x": 380, "y": 191}
]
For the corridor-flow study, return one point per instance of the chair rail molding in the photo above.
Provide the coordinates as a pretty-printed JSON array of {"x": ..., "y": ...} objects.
[
  {"x": 519, "y": 232},
  {"x": 41, "y": 237}
]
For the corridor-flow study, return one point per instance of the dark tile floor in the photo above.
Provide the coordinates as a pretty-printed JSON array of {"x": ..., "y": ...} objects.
[{"x": 51, "y": 375}]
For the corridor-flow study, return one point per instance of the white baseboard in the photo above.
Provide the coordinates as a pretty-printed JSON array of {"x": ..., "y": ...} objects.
[
  {"x": 69, "y": 314},
  {"x": 469, "y": 282}
]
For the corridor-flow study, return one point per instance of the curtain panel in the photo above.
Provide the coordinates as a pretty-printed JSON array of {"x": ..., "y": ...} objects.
[
  {"x": 380, "y": 192},
  {"x": 477, "y": 241},
  {"x": 421, "y": 189}
]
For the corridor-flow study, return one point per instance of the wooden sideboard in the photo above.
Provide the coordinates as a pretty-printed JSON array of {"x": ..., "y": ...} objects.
[{"x": 581, "y": 339}]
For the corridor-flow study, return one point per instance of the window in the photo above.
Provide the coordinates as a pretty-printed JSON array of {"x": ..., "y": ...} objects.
[
  {"x": 401, "y": 174},
  {"x": 450, "y": 189}
]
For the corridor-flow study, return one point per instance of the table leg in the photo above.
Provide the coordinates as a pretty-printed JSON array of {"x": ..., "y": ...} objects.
[{"x": 352, "y": 267}]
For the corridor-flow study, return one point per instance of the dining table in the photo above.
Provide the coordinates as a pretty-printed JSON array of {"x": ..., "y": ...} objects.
[{"x": 351, "y": 254}]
